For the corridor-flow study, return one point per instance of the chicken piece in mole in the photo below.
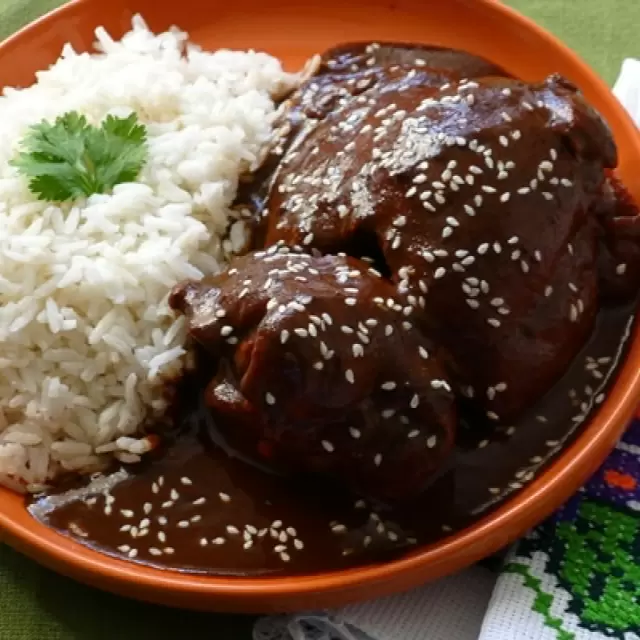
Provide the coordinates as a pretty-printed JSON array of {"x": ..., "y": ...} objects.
[
  {"x": 321, "y": 370},
  {"x": 480, "y": 195}
]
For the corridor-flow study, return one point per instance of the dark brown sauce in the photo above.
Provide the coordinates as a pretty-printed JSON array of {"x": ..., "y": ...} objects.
[
  {"x": 195, "y": 488},
  {"x": 197, "y": 505}
]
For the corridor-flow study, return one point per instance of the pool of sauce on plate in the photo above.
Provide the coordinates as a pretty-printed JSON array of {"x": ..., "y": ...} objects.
[{"x": 197, "y": 505}]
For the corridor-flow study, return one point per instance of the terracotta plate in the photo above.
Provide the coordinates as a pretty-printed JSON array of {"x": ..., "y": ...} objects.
[{"x": 293, "y": 31}]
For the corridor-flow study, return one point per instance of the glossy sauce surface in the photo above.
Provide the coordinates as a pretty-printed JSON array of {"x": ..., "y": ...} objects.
[
  {"x": 194, "y": 491},
  {"x": 198, "y": 505}
]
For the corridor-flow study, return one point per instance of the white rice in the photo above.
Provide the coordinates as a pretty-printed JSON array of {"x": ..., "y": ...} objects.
[{"x": 86, "y": 335}]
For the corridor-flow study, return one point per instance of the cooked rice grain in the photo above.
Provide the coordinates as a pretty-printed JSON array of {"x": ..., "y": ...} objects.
[{"x": 86, "y": 335}]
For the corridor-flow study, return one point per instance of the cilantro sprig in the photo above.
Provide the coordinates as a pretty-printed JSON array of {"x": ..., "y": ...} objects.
[{"x": 70, "y": 158}]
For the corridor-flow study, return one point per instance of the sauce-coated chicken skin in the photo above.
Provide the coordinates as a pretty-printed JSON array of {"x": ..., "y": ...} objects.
[
  {"x": 323, "y": 370},
  {"x": 490, "y": 208},
  {"x": 480, "y": 196}
]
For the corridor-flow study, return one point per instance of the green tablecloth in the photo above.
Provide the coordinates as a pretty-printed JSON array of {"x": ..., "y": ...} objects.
[{"x": 38, "y": 605}]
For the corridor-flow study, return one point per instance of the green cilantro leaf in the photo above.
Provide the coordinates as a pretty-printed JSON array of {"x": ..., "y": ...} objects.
[{"x": 70, "y": 158}]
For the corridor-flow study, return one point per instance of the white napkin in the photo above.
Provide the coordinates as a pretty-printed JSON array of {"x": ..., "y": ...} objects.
[
  {"x": 453, "y": 608},
  {"x": 450, "y": 609},
  {"x": 627, "y": 88}
]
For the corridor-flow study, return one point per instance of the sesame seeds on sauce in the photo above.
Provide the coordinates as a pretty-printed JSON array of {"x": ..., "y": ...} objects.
[
  {"x": 460, "y": 191},
  {"x": 458, "y": 239}
]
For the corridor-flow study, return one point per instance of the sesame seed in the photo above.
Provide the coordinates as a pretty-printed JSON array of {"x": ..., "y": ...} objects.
[
  {"x": 348, "y": 374},
  {"x": 439, "y": 273},
  {"x": 431, "y": 442},
  {"x": 573, "y": 313},
  {"x": 474, "y": 304},
  {"x": 424, "y": 354},
  {"x": 226, "y": 330},
  {"x": 494, "y": 322},
  {"x": 357, "y": 350},
  {"x": 377, "y": 459},
  {"x": 439, "y": 198},
  {"x": 269, "y": 398},
  {"x": 354, "y": 433},
  {"x": 505, "y": 197},
  {"x": 621, "y": 268},
  {"x": 388, "y": 386}
]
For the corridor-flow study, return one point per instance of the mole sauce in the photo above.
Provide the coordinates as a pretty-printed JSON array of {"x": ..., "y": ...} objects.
[{"x": 197, "y": 506}]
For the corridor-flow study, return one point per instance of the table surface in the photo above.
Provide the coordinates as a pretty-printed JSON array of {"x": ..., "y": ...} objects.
[{"x": 36, "y": 604}]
